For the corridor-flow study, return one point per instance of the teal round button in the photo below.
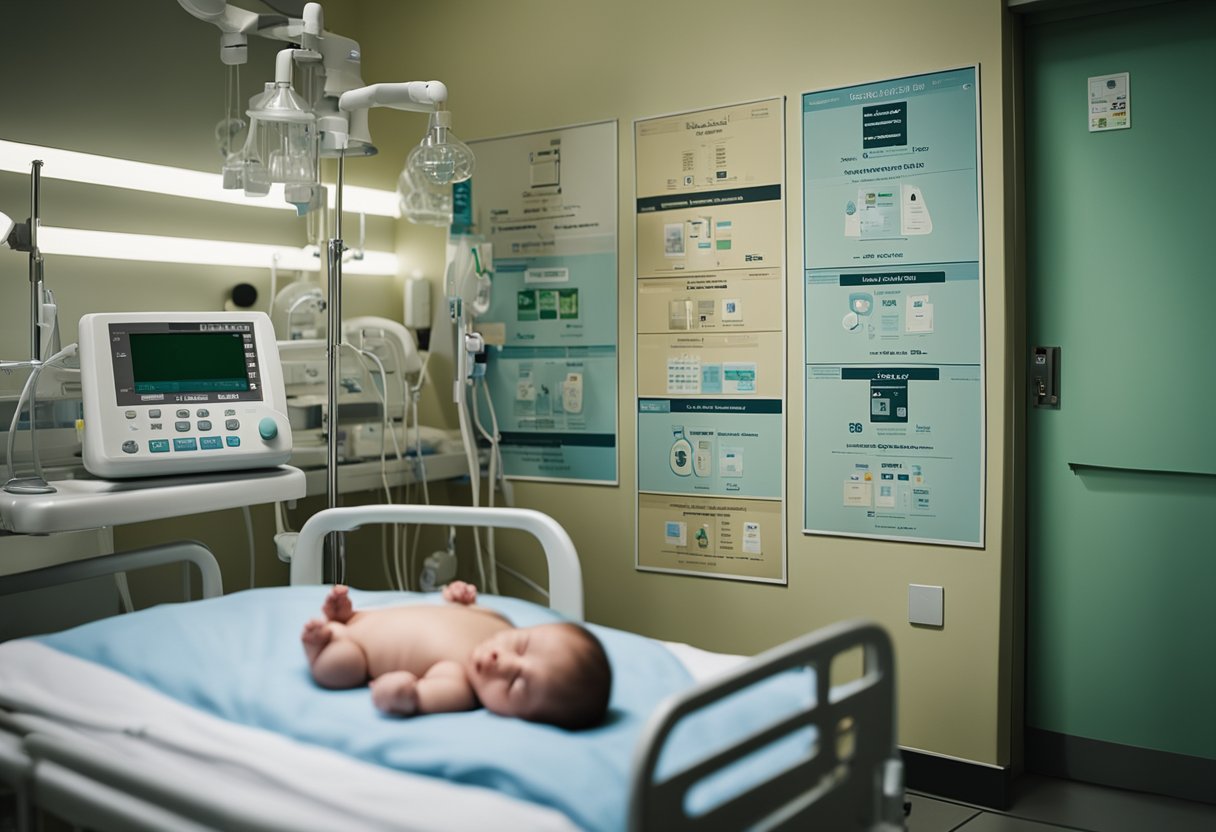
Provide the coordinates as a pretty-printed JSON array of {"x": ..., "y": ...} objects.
[{"x": 267, "y": 428}]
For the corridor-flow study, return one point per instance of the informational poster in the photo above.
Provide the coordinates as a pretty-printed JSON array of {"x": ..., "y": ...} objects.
[
  {"x": 894, "y": 310},
  {"x": 547, "y": 202},
  {"x": 1110, "y": 102},
  {"x": 711, "y": 363}
]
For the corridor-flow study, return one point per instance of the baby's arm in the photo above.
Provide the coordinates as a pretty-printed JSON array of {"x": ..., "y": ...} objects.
[{"x": 444, "y": 688}]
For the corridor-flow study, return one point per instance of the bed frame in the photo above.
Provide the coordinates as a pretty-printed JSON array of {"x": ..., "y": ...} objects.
[{"x": 850, "y": 779}]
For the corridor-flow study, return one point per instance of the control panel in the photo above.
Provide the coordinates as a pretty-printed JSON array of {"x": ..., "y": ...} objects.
[{"x": 181, "y": 392}]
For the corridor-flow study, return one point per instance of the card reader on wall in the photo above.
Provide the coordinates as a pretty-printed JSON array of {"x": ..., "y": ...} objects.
[
  {"x": 1045, "y": 377},
  {"x": 181, "y": 392}
]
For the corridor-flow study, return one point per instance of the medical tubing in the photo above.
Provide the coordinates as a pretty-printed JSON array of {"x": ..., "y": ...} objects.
[
  {"x": 498, "y": 479},
  {"x": 413, "y": 394},
  {"x": 497, "y": 442},
  {"x": 495, "y": 439},
  {"x": 30, "y": 383},
  {"x": 401, "y": 582},
  {"x": 274, "y": 282},
  {"x": 401, "y": 544},
  {"x": 394, "y": 581},
  {"x": 470, "y": 452},
  {"x": 252, "y": 548},
  {"x": 494, "y": 473},
  {"x": 491, "y": 487},
  {"x": 29, "y": 390},
  {"x": 291, "y": 310},
  {"x": 525, "y": 580},
  {"x": 124, "y": 591},
  {"x": 415, "y": 398},
  {"x": 411, "y": 550},
  {"x": 280, "y": 519},
  {"x": 49, "y": 300}
]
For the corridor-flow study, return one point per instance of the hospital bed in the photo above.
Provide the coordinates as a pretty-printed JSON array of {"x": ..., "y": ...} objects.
[{"x": 202, "y": 716}]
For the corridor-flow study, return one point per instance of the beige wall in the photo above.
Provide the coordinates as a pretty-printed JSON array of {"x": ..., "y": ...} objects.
[
  {"x": 523, "y": 66},
  {"x": 534, "y": 64}
]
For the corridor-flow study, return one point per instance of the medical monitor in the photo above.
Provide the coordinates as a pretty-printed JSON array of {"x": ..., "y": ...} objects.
[{"x": 181, "y": 392}]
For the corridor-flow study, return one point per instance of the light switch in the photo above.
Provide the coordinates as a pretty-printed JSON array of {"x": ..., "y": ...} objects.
[{"x": 925, "y": 605}]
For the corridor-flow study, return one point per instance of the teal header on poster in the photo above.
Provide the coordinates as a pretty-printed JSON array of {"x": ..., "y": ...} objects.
[
  {"x": 709, "y": 405},
  {"x": 734, "y": 196},
  {"x": 888, "y": 374},
  {"x": 887, "y": 278},
  {"x": 899, "y": 88}
]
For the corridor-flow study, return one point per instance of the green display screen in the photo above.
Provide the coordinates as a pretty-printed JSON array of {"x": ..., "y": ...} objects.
[{"x": 188, "y": 362}]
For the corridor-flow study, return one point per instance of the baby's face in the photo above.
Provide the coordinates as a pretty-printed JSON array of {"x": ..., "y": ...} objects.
[{"x": 517, "y": 672}]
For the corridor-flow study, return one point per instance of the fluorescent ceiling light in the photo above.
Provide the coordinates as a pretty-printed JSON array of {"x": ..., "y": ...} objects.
[
  {"x": 150, "y": 248},
  {"x": 162, "y": 179}
]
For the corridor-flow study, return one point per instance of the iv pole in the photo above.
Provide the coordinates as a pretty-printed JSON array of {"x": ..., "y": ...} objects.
[
  {"x": 35, "y": 263},
  {"x": 333, "y": 341},
  {"x": 411, "y": 96},
  {"x": 340, "y": 132},
  {"x": 37, "y": 483}
]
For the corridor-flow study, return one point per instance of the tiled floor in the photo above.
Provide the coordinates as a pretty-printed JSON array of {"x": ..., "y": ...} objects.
[{"x": 1042, "y": 804}]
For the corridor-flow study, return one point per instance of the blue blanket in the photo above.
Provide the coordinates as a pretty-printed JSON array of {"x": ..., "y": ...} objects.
[{"x": 239, "y": 657}]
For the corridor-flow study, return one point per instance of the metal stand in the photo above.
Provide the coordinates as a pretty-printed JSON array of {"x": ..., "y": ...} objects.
[
  {"x": 333, "y": 337},
  {"x": 36, "y": 484}
]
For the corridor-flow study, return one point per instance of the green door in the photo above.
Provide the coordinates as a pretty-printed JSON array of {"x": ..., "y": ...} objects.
[{"x": 1121, "y": 478}]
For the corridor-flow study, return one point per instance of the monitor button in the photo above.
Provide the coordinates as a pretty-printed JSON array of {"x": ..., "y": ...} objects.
[{"x": 267, "y": 428}]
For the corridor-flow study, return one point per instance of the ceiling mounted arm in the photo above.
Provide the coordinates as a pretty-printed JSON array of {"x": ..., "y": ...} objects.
[
  {"x": 414, "y": 96},
  {"x": 236, "y": 24}
]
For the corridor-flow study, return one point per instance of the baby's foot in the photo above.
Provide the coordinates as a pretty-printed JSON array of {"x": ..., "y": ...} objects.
[
  {"x": 459, "y": 592},
  {"x": 338, "y": 606},
  {"x": 317, "y": 633},
  {"x": 396, "y": 693}
]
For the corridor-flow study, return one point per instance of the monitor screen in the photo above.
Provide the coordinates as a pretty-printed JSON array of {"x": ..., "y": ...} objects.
[{"x": 172, "y": 363}]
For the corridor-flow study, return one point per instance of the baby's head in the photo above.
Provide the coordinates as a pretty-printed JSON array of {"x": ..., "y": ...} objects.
[{"x": 554, "y": 673}]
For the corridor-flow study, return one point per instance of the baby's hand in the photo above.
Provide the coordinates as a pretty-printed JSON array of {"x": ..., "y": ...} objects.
[
  {"x": 458, "y": 592},
  {"x": 338, "y": 606},
  {"x": 396, "y": 692}
]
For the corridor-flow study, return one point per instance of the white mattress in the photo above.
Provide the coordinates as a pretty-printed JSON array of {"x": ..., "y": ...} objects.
[{"x": 257, "y": 773}]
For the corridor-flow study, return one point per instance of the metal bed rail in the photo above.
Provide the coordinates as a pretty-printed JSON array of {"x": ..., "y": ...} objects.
[{"x": 851, "y": 777}]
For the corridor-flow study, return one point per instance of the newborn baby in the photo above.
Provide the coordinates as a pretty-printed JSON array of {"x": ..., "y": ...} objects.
[{"x": 427, "y": 659}]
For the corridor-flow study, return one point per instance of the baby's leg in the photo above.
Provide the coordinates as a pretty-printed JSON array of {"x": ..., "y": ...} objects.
[
  {"x": 396, "y": 692},
  {"x": 337, "y": 661}
]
